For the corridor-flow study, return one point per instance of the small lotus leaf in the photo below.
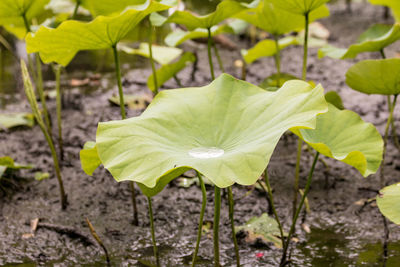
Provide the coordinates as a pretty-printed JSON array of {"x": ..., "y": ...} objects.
[
  {"x": 227, "y": 131},
  {"x": 374, "y": 39},
  {"x": 9, "y": 163},
  {"x": 178, "y": 37},
  {"x": 375, "y": 76},
  {"x": 264, "y": 228},
  {"x": 90, "y": 161},
  {"x": 161, "y": 54},
  {"x": 393, "y": 4},
  {"x": 60, "y": 45},
  {"x": 275, "y": 80},
  {"x": 301, "y": 7},
  {"x": 10, "y": 120},
  {"x": 388, "y": 202},
  {"x": 335, "y": 99},
  {"x": 166, "y": 72},
  {"x": 278, "y": 21},
  {"x": 344, "y": 136},
  {"x": 225, "y": 10},
  {"x": 266, "y": 48},
  {"x": 12, "y": 11}
]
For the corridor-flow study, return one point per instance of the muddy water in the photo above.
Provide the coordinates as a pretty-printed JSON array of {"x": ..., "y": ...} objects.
[{"x": 342, "y": 234}]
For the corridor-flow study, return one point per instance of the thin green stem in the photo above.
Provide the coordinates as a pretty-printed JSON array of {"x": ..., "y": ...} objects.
[
  {"x": 153, "y": 235},
  {"x": 271, "y": 197},
  {"x": 209, "y": 45},
  {"x": 40, "y": 90},
  {"x": 216, "y": 52},
  {"x": 57, "y": 70},
  {"x": 385, "y": 139},
  {"x": 217, "y": 211},
  {"x": 178, "y": 82},
  {"x": 293, "y": 226},
  {"x": 305, "y": 55},
  {"x": 134, "y": 206},
  {"x": 231, "y": 217},
  {"x": 76, "y": 9},
  {"x": 297, "y": 176},
  {"x": 382, "y": 53},
  {"x": 203, "y": 209},
  {"x": 153, "y": 66},
  {"x": 26, "y": 23},
  {"x": 278, "y": 60},
  {"x": 119, "y": 81}
]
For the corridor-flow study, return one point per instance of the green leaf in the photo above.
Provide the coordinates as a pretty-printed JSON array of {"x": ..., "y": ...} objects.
[
  {"x": 60, "y": 45},
  {"x": 40, "y": 176},
  {"x": 299, "y": 6},
  {"x": 9, "y": 163},
  {"x": 12, "y": 11},
  {"x": 374, "y": 39},
  {"x": 178, "y": 36},
  {"x": 110, "y": 7},
  {"x": 272, "y": 81},
  {"x": 335, "y": 99},
  {"x": 344, "y": 136},
  {"x": 375, "y": 76},
  {"x": 166, "y": 72},
  {"x": 90, "y": 160},
  {"x": 266, "y": 48},
  {"x": 227, "y": 131},
  {"x": 264, "y": 228},
  {"x": 278, "y": 21},
  {"x": 393, "y": 4},
  {"x": 161, "y": 54},
  {"x": 10, "y": 120},
  {"x": 225, "y": 10},
  {"x": 388, "y": 202}
]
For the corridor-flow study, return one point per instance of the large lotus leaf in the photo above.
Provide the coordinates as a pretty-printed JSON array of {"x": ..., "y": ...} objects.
[
  {"x": 374, "y": 39},
  {"x": 178, "y": 37},
  {"x": 266, "y": 48},
  {"x": 225, "y": 10},
  {"x": 166, "y": 72},
  {"x": 10, "y": 120},
  {"x": 393, "y": 4},
  {"x": 388, "y": 202},
  {"x": 161, "y": 54},
  {"x": 375, "y": 76},
  {"x": 277, "y": 21},
  {"x": 298, "y": 6},
  {"x": 227, "y": 131},
  {"x": 344, "y": 136},
  {"x": 12, "y": 12},
  {"x": 60, "y": 45}
]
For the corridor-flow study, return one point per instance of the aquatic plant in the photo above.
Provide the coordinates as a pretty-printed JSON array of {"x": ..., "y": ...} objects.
[
  {"x": 388, "y": 201},
  {"x": 30, "y": 94},
  {"x": 169, "y": 139}
]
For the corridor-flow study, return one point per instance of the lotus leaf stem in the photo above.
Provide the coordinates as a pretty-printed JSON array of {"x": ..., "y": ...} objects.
[
  {"x": 57, "y": 70},
  {"x": 203, "y": 209},
  {"x": 231, "y": 217},
  {"x": 216, "y": 52},
  {"x": 278, "y": 60},
  {"x": 76, "y": 9},
  {"x": 209, "y": 45},
  {"x": 134, "y": 206},
  {"x": 272, "y": 203},
  {"x": 98, "y": 240},
  {"x": 153, "y": 66},
  {"x": 217, "y": 211},
  {"x": 385, "y": 139},
  {"x": 153, "y": 235},
  {"x": 305, "y": 55},
  {"x": 293, "y": 226}
]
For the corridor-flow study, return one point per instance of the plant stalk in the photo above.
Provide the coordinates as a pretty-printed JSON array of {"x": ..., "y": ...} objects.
[
  {"x": 98, "y": 240},
  {"x": 385, "y": 139},
  {"x": 272, "y": 203},
  {"x": 217, "y": 211},
  {"x": 153, "y": 66},
  {"x": 297, "y": 176},
  {"x": 134, "y": 206},
  {"x": 220, "y": 63},
  {"x": 57, "y": 70},
  {"x": 76, "y": 9},
  {"x": 305, "y": 54},
  {"x": 209, "y": 45},
  {"x": 153, "y": 235},
  {"x": 293, "y": 226},
  {"x": 231, "y": 217},
  {"x": 203, "y": 209},
  {"x": 119, "y": 81},
  {"x": 278, "y": 60}
]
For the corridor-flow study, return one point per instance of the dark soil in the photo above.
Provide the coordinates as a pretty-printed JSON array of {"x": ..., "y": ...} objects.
[{"x": 343, "y": 232}]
